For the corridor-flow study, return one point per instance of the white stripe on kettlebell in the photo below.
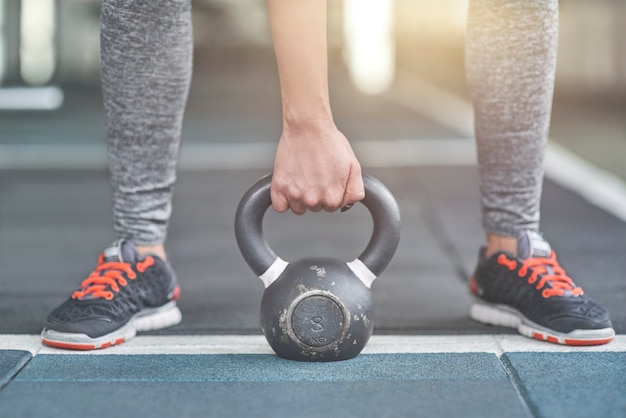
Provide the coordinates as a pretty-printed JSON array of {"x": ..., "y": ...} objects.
[
  {"x": 362, "y": 272},
  {"x": 274, "y": 271}
]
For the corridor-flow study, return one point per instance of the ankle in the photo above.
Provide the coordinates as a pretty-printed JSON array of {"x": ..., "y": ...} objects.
[
  {"x": 497, "y": 243},
  {"x": 157, "y": 249}
]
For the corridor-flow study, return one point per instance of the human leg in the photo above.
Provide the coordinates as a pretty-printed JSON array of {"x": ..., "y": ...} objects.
[
  {"x": 511, "y": 61},
  {"x": 146, "y": 70}
]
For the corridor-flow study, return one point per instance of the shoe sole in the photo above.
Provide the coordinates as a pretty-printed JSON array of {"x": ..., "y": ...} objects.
[
  {"x": 508, "y": 317},
  {"x": 146, "y": 320}
]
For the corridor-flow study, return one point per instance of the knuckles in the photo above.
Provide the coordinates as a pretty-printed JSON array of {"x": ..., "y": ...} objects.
[{"x": 285, "y": 196}]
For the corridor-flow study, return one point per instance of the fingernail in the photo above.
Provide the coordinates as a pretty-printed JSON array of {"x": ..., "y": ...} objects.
[{"x": 347, "y": 207}]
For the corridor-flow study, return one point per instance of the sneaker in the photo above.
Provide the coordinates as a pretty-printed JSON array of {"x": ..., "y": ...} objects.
[
  {"x": 533, "y": 294},
  {"x": 124, "y": 294}
]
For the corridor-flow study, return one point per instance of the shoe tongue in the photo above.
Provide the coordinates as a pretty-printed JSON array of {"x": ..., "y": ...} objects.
[
  {"x": 530, "y": 244},
  {"x": 119, "y": 251},
  {"x": 122, "y": 251}
]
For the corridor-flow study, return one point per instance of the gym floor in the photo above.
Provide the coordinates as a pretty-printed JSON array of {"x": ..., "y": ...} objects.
[{"x": 426, "y": 358}]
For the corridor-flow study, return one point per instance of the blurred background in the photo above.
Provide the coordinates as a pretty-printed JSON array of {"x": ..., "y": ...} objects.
[
  {"x": 49, "y": 70},
  {"x": 398, "y": 91}
]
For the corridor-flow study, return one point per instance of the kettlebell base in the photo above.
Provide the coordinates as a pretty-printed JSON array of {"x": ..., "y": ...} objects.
[{"x": 316, "y": 358}]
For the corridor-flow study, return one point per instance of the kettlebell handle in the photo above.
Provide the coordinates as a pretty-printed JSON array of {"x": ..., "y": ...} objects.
[{"x": 268, "y": 266}]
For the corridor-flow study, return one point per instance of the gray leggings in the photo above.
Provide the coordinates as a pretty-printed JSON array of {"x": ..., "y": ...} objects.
[{"x": 146, "y": 71}]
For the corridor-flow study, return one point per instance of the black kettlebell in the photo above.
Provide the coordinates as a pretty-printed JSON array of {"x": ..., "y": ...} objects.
[{"x": 317, "y": 309}]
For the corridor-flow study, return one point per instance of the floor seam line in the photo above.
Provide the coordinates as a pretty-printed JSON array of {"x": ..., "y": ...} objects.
[
  {"x": 17, "y": 372},
  {"x": 517, "y": 383}
]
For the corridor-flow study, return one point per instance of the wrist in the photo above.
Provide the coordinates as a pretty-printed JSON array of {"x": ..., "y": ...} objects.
[
  {"x": 304, "y": 108},
  {"x": 312, "y": 123}
]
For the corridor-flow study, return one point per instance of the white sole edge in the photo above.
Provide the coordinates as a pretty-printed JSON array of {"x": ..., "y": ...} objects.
[{"x": 508, "y": 317}]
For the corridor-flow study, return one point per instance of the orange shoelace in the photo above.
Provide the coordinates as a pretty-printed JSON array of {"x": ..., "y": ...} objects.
[
  {"x": 559, "y": 281},
  {"x": 109, "y": 275}
]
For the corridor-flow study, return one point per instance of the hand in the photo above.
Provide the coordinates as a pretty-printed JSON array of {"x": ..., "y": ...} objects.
[{"x": 315, "y": 168}]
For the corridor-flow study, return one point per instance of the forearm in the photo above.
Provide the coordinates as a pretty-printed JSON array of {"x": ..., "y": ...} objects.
[
  {"x": 299, "y": 34},
  {"x": 314, "y": 167}
]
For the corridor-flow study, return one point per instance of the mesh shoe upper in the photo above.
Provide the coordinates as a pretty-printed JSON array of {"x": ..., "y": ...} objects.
[
  {"x": 535, "y": 285},
  {"x": 120, "y": 286}
]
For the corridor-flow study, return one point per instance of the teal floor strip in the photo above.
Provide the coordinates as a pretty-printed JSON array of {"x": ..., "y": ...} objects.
[
  {"x": 234, "y": 367},
  {"x": 571, "y": 385},
  {"x": 375, "y": 385}
]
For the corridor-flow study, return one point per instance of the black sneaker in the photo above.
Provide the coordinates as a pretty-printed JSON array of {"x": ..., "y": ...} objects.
[
  {"x": 533, "y": 294},
  {"x": 124, "y": 294}
]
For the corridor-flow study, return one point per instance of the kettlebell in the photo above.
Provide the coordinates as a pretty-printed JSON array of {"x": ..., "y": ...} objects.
[{"x": 317, "y": 309}]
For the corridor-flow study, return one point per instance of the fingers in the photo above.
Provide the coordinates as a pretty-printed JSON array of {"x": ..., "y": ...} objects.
[
  {"x": 355, "y": 190},
  {"x": 330, "y": 199},
  {"x": 333, "y": 200},
  {"x": 279, "y": 200},
  {"x": 284, "y": 199},
  {"x": 285, "y": 196},
  {"x": 297, "y": 207}
]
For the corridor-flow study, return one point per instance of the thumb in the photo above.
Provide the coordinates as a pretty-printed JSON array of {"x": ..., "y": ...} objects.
[{"x": 355, "y": 190}]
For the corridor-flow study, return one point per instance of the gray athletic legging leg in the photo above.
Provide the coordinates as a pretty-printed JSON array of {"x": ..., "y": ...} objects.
[
  {"x": 146, "y": 70},
  {"x": 511, "y": 59}
]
